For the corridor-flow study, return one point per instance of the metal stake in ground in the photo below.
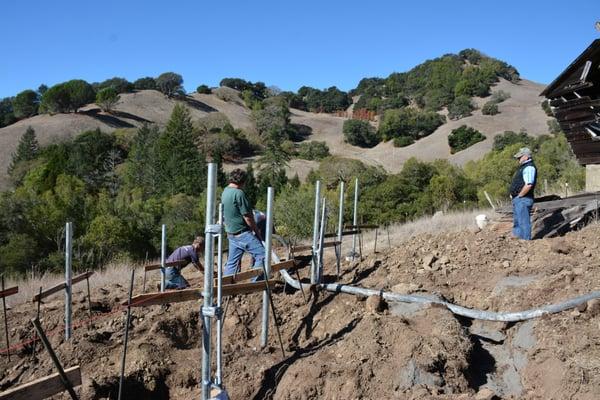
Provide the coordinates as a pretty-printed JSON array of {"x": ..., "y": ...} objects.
[
  {"x": 354, "y": 219},
  {"x": 5, "y": 322},
  {"x": 314, "y": 265},
  {"x": 89, "y": 300},
  {"x": 221, "y": 318},
  {"x": 340, "y": 236},
  {"x": 127, "y": 320},
  {"x": 68, "y": 272},
  {"x": 39, "y": 303},
  {"x": 163, "y": 255},
  {"x": 52, "y": 354}
]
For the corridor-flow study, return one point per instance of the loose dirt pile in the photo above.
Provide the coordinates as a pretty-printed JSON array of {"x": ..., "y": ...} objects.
[{"x": 339, "y": 346}]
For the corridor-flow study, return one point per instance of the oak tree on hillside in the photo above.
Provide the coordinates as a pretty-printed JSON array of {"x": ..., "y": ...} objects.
[
  {"x": 25, "y": 104},
  {"x": 169, "y": 84},
  {"x": 107, "y": 98}
]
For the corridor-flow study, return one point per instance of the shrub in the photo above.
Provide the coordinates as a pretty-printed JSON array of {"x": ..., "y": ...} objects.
[
  {"x": 508, "y": 138},
  {"x": 26, "y": 104},
  {"x": 121, "y": 85},
  {"x": 409, "y": 122},
  {"x": 107, "y": 98},
  {"x": 329, "y": 100},
  {"x": 7, "y": 115},
  {"x": 203, "y": 89},
  {"x": 500, "y": 96},
  {"x": 146, "y": 83},
  {"x": 461, "y": 107},
  {"x": 227, "y": 94},
  {"x": 170, "y": 84},
  {"x": 463, "y": 137},
  {"x": 403, "y": 141},
  {"x": 313, "y": 150},
  {"x": 360, "y": 133},
  {"x": 547, "y": 109},
  {"x": 490, "y": 108}
]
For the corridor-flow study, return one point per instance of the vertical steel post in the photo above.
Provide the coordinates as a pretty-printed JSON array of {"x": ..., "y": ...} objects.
[
  {"x": 126, "y": 339},
  {"x": 264, "y": 337},
  {"x": 221, "y": 319},
  {"x": 315, "y": 243},
  {"x": 340, "y": 228},
  {"x": 6, "y": 322},
  {"x": 163, "y": 256},
  {"x": 322, "y": 241},
  {"x": 208, "y": 280},
  {"x": 355, "y": 219},
  {"x": 68, "y": 274}
]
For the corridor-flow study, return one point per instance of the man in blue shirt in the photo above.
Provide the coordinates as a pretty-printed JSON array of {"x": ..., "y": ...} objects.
[
  {"x": 173, "y": 277},
  {"x": 521, "y": 192}
]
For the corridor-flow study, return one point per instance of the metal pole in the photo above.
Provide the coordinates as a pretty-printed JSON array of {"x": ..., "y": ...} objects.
[
  {"x": 163, "y": 256},
  {"x": 355, "y": 219},
  {"x": 6, "y": 322},
  {"x": 61, "y": 371},
  {"x": 375, "y": 245},
  {"x": 321, "y": 241},
  {"x": 221, "y": 319},
  {"x": 314, "y": 266},
  {"x": 89, "y": 296},
  {"x": 127, "y": 321},
  {"x": 340, "y": 228},
  {"x": 39, "y": 302},
  {"x": 208, "y": 281},
  {"x": 68, "y": 271},
  {"x": 264, "y": 337}
]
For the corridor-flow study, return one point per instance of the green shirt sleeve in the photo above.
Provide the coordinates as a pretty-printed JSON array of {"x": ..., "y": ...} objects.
[{"x": 243, "y": 204}]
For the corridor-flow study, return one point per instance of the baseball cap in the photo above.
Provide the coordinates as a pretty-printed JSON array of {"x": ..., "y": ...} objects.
[{"x": 523, "y": 151}]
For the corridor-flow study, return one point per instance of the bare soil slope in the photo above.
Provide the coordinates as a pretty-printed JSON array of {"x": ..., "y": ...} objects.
[{"x": 339, "y": 346}]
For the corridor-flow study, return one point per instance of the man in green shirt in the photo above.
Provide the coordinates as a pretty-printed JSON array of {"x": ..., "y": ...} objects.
[{"x": 242, "y": 232}]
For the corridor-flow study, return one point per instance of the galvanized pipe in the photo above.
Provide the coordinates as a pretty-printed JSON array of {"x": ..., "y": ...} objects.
[
  {"x": 126, "y": 338},
  {"x": 355, "y": 219},
  {"x": 264, "y": 337},
  {"x": 6, "y": 323},
  {"x": 163, "y": 256},
  {"x": 314, "y": 262},
  {"x": 68, "y": 273},
  {"x": 321, "y": 241},
  {"x": 340, "y": 229},
  {"x": 211, "y": 186},
  {"x": 219, "y": 374}
]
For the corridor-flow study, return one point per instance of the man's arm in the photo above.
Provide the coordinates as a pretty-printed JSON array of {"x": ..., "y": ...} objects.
[
  {"x": 525, "y": 190},
  {"x": 249, "y": 218},
  {"x": 528, "y": 177}
]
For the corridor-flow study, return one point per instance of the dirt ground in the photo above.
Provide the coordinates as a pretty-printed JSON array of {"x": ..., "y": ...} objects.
[{"x": 338, "y": 346}]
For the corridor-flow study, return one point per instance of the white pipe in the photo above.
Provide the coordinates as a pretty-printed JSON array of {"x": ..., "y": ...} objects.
[
  {"x": 219, "y": 374},
  {"x": 208, "y": 280},
  {"x": 340, "y": 228},
  {"x": 315, "y": 243},
  {"x": 264, "y": 337},
  {"x": 321, "y": 241},
  {"x": 68, "y": 274},
  {"x": 355, "y": 219},
  {"x": 163, "y": 256}
]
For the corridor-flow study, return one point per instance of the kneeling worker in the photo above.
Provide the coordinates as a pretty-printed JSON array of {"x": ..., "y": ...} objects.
[{"x": 190, "y": 253}]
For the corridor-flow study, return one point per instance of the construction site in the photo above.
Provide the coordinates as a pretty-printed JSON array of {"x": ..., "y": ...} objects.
[{"x": 450, "y": 306}]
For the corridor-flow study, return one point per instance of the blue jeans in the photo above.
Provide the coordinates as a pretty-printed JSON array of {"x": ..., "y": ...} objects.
[
  {"x": 238, "y": 245},
  {"x": 521, "y": 222},
  {"x": 174, "y": 280}
]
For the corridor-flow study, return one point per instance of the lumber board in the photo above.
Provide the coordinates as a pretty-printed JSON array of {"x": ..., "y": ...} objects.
[
  {"x": 363, "y": 226},
  {"x": 62, "y": 285},
  {"x": 344, "y": 233},
  {"x": 309, "y": 246},
  {"x": 152, "y": 267},
  {"x": 178, "y": 296},
  {"x": 44, "y": 387},
  {"x": 245, "y": 275},
  {"x": 9, "y": 292}
]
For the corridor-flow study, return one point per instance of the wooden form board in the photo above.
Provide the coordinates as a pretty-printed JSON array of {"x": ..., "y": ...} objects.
[
  {"x": 61, "y": 286},
  {"x": 43, "y": 387},
  {"x": 152, "y": 267},
  {"x": 344, "y": 233},
  {"x": 245, "y": 275},
  {"x": 178, "y": 296},
  {"x": 9, "y": 292},
  {"x": 309, "y": 246},
  {"x": 365, "y": 226}
]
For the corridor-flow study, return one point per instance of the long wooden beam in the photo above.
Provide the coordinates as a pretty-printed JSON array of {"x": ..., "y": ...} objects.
[
  {"x": 245, "y": 275},
  {"x": 344, "y": 233},
  {"x": 44, "y": 387},
  {"x": 61, "y": 286},
  {"x": 152, "y": 267},
  {"x": 178, "y": 296},
  {"x": 364, "y": 226},
  {"x": 9, "y": 292},
  {"x": 309, "y": 247}
]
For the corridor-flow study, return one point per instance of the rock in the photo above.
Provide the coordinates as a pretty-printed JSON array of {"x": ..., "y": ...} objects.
[
  {"x": 444, "y": 260},
  {"x": 578, "y": 271},
  {"x": 506, "y": 264},
  {"x": 404, "y": 288},
  {"x": 560, "y": 246},
  {"x": 582, "y": 307},
  {"x": 428, "y": 260},
  {"x": 587, "y": 253},
  {"x": 485, "y": 394},
  {"x": 375, "y": 304},
  {"x": 593, "y": 307}
]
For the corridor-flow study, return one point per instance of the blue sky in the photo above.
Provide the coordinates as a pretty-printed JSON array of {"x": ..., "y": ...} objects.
[{"x": 315, "y": 43}]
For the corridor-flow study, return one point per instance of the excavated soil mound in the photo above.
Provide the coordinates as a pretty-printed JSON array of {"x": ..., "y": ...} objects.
[{"x": 339, "y": 346}]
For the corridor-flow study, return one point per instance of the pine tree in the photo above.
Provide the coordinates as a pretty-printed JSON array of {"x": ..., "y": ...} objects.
[
  {"x": 27, "y": 149},
  {"x": 250, "y": 188}
]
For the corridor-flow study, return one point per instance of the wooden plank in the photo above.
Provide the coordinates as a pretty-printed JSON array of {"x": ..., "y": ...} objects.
[
  {"x": 344, "y": 233},
  {"x": 245, "y": 275},
  {"x": 306, "y": 247},
  {"x": 363, "y": 226},
  {"x": 61, "y": 286},
  {"x": 9, "y": 292},
  {"x": 178, "y": 296},
  {"x": 152, "y": 267},
  {"x": 44, "y": 387}
]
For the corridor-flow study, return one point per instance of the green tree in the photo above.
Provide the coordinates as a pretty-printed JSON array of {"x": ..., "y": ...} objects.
[
  {"x": 146, "y": 83},
  {"x": 27, "y": 149},
  {"x": 313, "y": 150},
  {"x": 170, "y": 84},
  {"x": 142, "y": 165},
  {"x": 106, "y": 236},
  {"x": 461, "y": 107},
  {"x": 25, "y": 104},
  {"x": 18, "y": 254},
  {"x": 490, "y": 108},
  {"x": 67, "y": 97},
  {"x": 107, "y": 98},
  {"x": 250, "y": 187},
  {"x": 7, "y": 115},
  {"x": 463, "y": 137},
  {"x": 80, "y": 93},
  {"x": 42, "y": 89},
  {"x": 121, "y": 85},
  {"x": 409, "y": 122},
  {"x": 203, "y": 89},
  {"x": 360, "y": 133}
]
